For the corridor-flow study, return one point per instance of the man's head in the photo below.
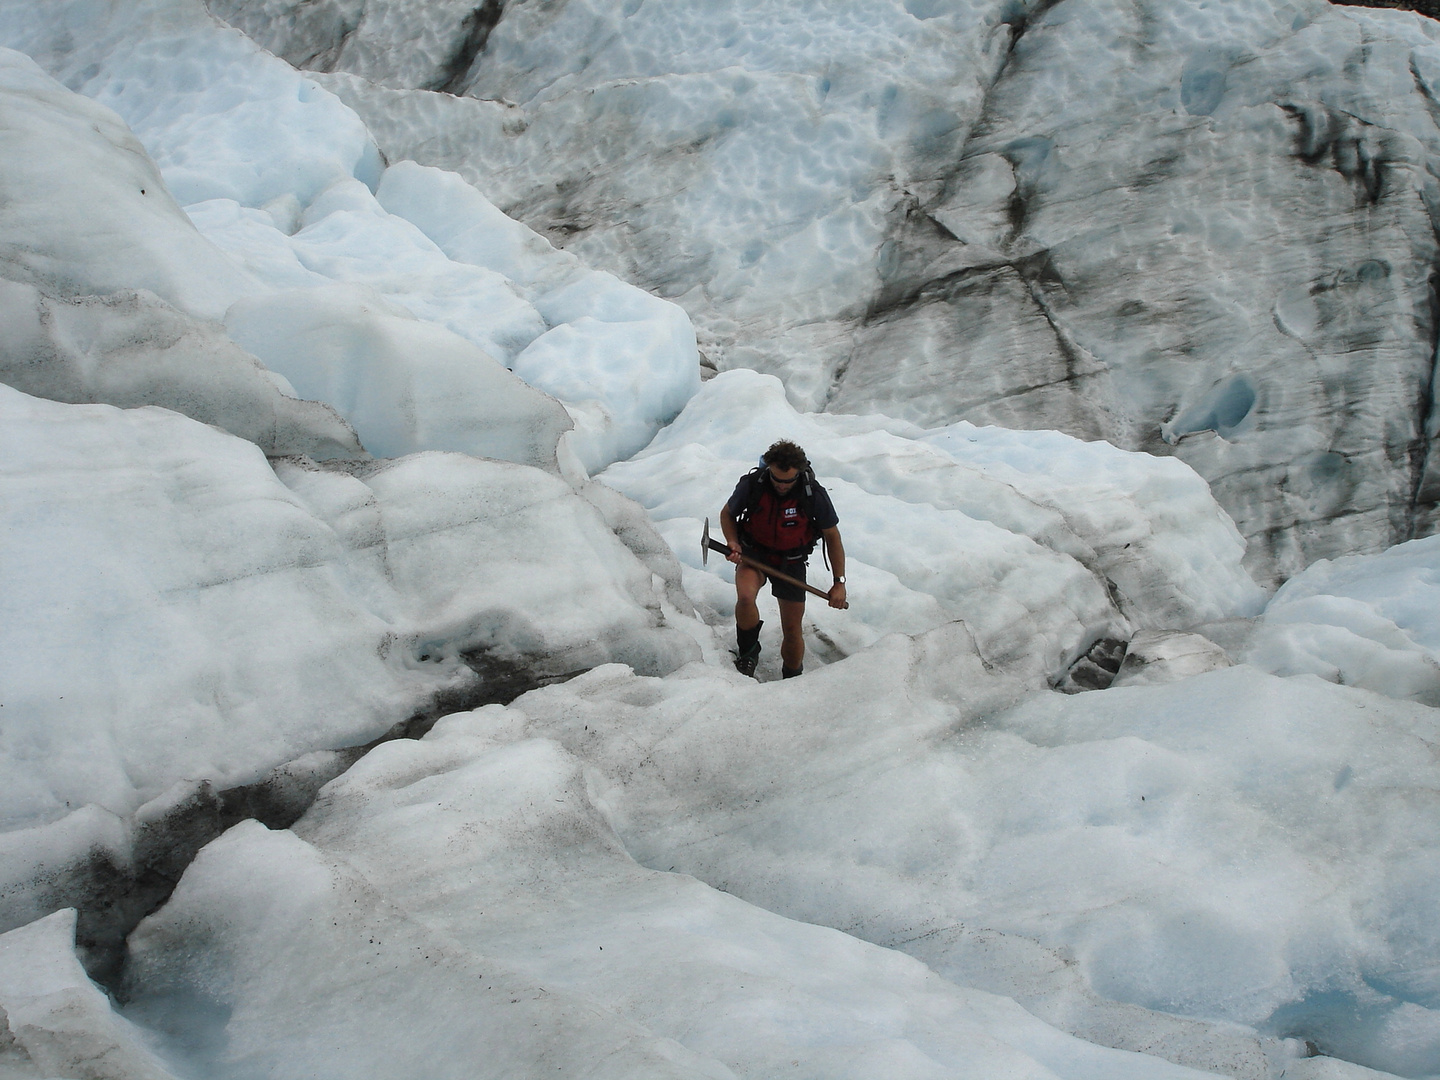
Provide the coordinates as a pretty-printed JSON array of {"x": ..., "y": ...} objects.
[{"x": 786, "y": 463}]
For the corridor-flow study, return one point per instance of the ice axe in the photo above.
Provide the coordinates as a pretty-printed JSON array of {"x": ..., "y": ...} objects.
[{"x": 707, "y": 545}]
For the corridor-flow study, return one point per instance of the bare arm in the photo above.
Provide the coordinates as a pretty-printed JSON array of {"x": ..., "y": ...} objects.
[
  {"x": 732, "y": 534},
  {"x": 835, "y": 550}
]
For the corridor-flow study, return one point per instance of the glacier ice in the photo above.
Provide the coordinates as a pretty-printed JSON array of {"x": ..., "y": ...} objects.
[
  {"x": 1040, "y": 543},
  {"x": 286, "y": 180},
  {"x": 1359, "y": 620},
  {"x": 54, "y": 1021},
  {"x": 1139, "y": 866},
  {"x": 1196, "y": 229},
  {"x": 485, "y": 870},
  {"x": 173, "y": 608},
  {"x": 130, "y": 348},
  {"x": 1102, "y": 217},
  {"x": 85, "y": 209},
  {"x": 406, "y": 385}
]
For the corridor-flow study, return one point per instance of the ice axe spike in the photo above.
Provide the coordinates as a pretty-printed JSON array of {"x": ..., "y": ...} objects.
[{"x": 707, "y": 545}]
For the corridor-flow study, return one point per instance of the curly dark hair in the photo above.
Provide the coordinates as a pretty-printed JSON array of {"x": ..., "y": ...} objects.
[{"x": 784, "y": 454}]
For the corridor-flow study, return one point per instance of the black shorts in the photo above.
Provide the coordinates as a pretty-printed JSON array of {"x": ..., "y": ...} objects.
[{"x": 782, "y": 590}]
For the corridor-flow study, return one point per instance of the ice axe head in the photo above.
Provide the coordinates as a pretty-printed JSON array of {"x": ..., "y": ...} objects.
[{"x": 707, "y": 545}]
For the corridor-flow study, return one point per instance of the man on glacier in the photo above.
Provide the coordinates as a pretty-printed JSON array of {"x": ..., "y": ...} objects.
[{"x": 776, "y": 514}]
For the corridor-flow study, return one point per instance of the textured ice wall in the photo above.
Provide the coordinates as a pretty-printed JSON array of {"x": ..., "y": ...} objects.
[{"x": 1199, "y": 229}]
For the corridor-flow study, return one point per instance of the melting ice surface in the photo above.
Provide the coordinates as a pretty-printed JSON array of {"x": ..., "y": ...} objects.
[{"x": 296, "y": 442}]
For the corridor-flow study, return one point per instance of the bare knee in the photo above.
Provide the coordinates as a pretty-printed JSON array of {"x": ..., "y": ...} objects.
[{"x": 747, "y": 584}]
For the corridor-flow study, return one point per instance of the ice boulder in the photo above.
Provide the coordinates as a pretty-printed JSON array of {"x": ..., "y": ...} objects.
[
  {"x": 1161, "y": 656},
  {"x": 405, "y": 385},
  {"x": 1360, "y": 620},
  {"x": 623, "y": 361},
  {"x": 55, "y": 1020}
]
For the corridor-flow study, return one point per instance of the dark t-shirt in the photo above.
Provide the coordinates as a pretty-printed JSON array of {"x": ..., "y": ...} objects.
[{"x": 822, "y": 509}]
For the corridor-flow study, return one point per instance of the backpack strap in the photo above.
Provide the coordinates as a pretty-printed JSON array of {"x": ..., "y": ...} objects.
[{"x": 757, "y": 477}]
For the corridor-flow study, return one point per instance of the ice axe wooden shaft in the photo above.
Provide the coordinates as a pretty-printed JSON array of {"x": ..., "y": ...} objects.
[{"x": 707, "y": 545}]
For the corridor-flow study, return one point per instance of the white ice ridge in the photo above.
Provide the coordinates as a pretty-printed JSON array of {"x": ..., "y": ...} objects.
[
  {"x": 484, "y": 871},
  {"x": 1041, "y": 543},
  {"x": 426, "y": 292},
  {"x": 1361, "y": 620},
  {"x": 1231, "y": 849},
  {"x": 172, "y": 610},
  {"x": 130, "y": 348}
]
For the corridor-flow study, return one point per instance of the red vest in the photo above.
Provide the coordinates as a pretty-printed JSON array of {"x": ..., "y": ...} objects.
[{"x": 780, "y": 524}]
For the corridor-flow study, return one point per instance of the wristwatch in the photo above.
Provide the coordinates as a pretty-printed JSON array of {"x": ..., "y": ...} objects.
[{"x": 840, "y": 580}]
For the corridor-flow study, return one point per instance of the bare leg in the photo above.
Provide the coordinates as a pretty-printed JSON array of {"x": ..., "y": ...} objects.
[
  {"x": 748, "y": 581},
  {"x": 792, "y": 646}
]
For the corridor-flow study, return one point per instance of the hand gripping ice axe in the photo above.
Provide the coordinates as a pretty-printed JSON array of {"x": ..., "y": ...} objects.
[{"x": 707, "y": 545}]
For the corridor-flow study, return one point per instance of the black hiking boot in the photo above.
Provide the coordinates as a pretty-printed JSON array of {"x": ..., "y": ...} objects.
[
  {"x": 747, "y": 649},
  {"x": 745, "y": 661},
  {"x": 790, "y": 673}
]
